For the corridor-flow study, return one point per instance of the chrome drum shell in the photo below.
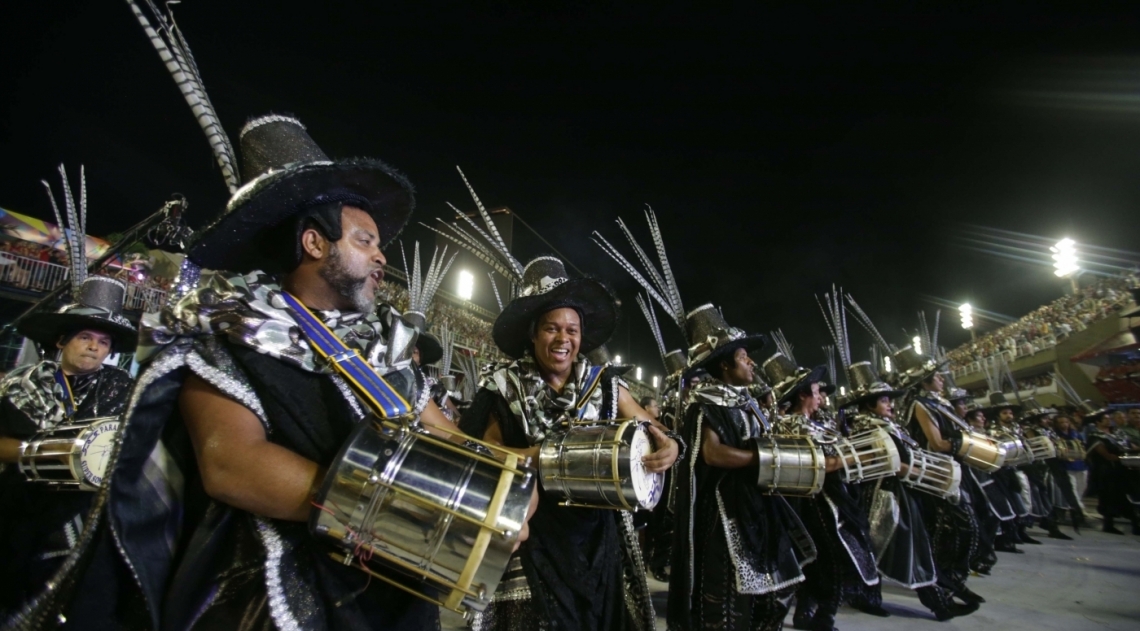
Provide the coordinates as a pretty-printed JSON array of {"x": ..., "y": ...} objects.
[
  {"x": 70, "y": 457},
  {"x": 399, "y": 500},
  {"x": 599, "y": 465},
  {"x": 790, "y": 465}
]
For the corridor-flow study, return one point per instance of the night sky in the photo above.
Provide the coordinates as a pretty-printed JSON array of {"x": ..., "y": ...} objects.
[{"x": 783, "y": 149}]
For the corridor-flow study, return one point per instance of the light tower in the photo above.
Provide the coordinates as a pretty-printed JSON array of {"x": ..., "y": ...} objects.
[
  {"x": 1065, "y": 262},
  {"x": 967, "y": 313}
]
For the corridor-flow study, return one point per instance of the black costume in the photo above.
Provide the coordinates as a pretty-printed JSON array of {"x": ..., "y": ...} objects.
[
  {"x": 902, "y": 548},
  {"x": 838, "y": 526},
  {"x": 202, "y": 563},
  {"x": 953, "y": 527},
  {"x": 1109, "y": 477},
  {"x": 581, "y": 568},
  {"x": 39, "y": 525},
  {"x": 738, "y": 553}
]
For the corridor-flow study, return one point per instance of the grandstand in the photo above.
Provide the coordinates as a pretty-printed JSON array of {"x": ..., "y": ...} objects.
[{"x": 1053, "y": 339}]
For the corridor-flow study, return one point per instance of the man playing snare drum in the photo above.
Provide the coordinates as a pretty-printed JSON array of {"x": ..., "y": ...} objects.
[
  {"x": 252, "y": 412},
  {"x": 39, "y": 525}
]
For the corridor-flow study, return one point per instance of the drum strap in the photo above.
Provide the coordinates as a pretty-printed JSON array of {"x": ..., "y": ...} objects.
[
  {"x": 68, "y": 395},
  {"x": 755, "y": 409},
  {"x": 378, "y": 393},
  {"x": 593, "y": 378}
]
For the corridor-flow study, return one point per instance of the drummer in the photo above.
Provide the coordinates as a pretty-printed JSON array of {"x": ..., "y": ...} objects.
[
  {"x": 250, "y": 409},
  {"x": 933, "y": 424},
  {"x": 39, "y": 526},
  {"x": 846, "y": 562},
  {"x": 736, "y": 555},
  {"x": 907, "y": 559},
  {"x": 581, "y": 568},
  {"x": 1107, "y": 476}
]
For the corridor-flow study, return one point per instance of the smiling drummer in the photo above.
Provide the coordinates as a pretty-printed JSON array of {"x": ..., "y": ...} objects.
[
  {"x": 39, "y": 526},
  {"x": 581, "y": 568}
]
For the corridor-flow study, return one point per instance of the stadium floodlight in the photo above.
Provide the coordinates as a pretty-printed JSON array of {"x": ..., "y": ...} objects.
[
  {"x": 1065, "y": 258},
  {"x": 637, "y": 373},
  {"x": 886, "y": 364},
  {"x": 967, "y": 313},
  {"x": 917, "y": 341},
  {"x": 466, "y": 284},
  {"x": 654, "y": 381},
  {"x": 842, "y": 391},
  {"x": 617, "y": 360}
]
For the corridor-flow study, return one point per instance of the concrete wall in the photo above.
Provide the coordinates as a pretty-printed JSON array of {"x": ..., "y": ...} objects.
[{"x": 1056, "y": 359}]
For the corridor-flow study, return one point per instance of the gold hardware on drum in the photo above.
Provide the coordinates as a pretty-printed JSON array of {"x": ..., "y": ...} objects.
[
  {"x": 598, "y": 465},
  {"x": 868, "y": 455},
  {"x": 1041, "y": 447},
  {"x": 71, "y": 457},
  {"x": 933, "y": 473},
  {"x": 400, "y": 500},
  {"x": 981, "y": 452}
]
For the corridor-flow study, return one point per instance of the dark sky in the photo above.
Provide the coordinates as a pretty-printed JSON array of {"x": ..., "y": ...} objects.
[{"x": 783, "y": 148}]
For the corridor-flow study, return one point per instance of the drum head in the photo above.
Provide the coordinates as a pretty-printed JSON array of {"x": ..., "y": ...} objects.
[
  {"x": 95, "y": 450},
  {"x": 647, "y": 486}
]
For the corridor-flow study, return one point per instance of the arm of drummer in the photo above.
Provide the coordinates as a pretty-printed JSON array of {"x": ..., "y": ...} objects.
[
  {"x": 238, "y": 464},
  {"x": 664, "y": 457},
  {"x": 9, "y": 450},
  {"x": 934, "y": 439},
  {"x": 437, "y": 424},
  {"x": 1102, "y": 451},
  {"x": 717, "y": 454}
]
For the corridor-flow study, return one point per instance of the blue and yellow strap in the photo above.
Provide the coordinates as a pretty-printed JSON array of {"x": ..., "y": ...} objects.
[
  {"x": 377, "y": 392},
  {"x": 68, "y": 396}
]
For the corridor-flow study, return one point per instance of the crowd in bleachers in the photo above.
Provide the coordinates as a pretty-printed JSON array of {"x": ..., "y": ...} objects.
[
  {"x": 1044, "y": 327},
  {"x": 1023, "y": 385}
]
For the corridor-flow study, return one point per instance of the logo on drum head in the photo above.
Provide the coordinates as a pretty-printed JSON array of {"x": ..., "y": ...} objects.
[
  {"x": 96, "y": 451},
  {"x": 647, "y": 486}
]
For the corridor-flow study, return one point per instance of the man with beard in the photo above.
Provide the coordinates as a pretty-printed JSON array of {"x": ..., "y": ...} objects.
[{"x": 236, "y": 385}]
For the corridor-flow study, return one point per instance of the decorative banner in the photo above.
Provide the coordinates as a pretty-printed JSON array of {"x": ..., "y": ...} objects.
[{"x": 25, "y": 228}]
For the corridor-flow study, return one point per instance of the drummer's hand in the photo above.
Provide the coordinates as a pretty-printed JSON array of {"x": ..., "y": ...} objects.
[
  {"x": 665, "y": 455},
  {"x": 524, "y": 534}
]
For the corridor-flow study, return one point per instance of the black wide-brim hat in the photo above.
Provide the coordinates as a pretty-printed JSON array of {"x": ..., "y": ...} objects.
[
  {"x": 874, "y": 393},
  {"x": 284, "y": 173},
  {"x": 998, "y": 402},
  {"x": 546, "y": 286},
  {"x": 807, "y": 377},
  {"x": 711, "y": 339},
  {"x": 431, "y": 350},
  {"x": 98, "y": 306}
]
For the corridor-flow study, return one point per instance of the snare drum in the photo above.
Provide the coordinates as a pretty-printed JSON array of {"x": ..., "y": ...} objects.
[
  {"x": 981, "y": 452},
  {"x": 71, "y": 456},
  {"x": 1042, "y": 447},
  {"x": 790, "y": 465},
  {"x": 1072, "y": 450},
  {"x": 1017, "y": 450},
  {"x": 933, "y": 473},
  {"x": 868, "y": 455},
  {"x": 599, "y": 465},
  {"x": 445, "y": 515},
  {"x": 1130, "y": 462}
]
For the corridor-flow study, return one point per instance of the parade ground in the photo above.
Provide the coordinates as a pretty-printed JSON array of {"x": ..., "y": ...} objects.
[{"x": 1088, "y": 583}]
